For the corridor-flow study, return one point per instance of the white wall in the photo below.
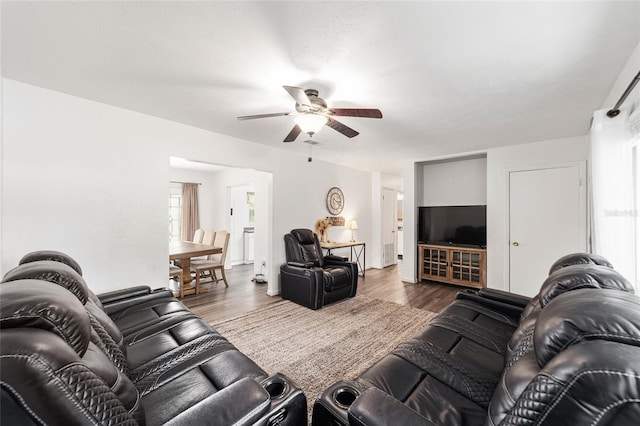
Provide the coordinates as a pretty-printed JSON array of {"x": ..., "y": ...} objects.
[
  {"x": 455, "y": 182},
  {"x": 412, "y": 176},
  {"x": 627, "y": 74},
  {"x": 91, "y": 180}
]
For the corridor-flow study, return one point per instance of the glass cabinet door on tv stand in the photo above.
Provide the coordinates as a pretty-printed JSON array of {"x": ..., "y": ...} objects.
[{"x": 453, "y": 265}]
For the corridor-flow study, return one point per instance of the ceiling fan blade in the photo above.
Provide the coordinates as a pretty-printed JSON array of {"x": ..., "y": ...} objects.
[
  {"x": 293, "y": 134},
  {"x": 253, "y": 117},
  {"x": 298, "y": 94},
  {"x": 357, "y": 112},
  {"x": 338, "y": 126}
]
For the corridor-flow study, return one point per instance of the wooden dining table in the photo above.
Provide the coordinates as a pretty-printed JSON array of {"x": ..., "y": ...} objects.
[{"x": 184, "y": 251}]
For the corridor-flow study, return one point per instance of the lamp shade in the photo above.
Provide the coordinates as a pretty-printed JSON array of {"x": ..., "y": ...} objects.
[
  {"x": 353, "y": 225},
  {"x": 310, "y": 123}
]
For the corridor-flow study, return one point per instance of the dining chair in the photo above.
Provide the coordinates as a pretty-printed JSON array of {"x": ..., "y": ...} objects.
[
  {"x": 208, "y": 238},
  {"x": 198, "y": 235},
  {"x": 176, "y": 273},
  {"x": 207, "y": 269}
]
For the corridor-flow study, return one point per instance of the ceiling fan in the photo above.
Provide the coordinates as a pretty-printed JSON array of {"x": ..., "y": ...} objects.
[{"x": 312, "y": 113}]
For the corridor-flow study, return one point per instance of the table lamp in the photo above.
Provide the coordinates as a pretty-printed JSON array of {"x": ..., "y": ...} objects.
[{"x": 353, "y": 225}]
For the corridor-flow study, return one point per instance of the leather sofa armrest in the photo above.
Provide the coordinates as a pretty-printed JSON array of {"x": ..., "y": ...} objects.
[
  {"x": 334, "y": 258},
  {"x": 119, "y": 300},
  {"x": 375, "y": 407},
  {"x": 241, "y": 403},
  {"x": 338, "y": 260},
  {"x": 301, "y": 264},
  {"x": 512, "y": 310},
  {"x": 125, "y": 293},
  {"x": 504, "y": 296},
  {"x": 302, "y": 285}
]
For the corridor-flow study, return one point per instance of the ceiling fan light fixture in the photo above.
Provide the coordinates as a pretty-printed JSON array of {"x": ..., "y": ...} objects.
[{"x": 311, "y": 123}]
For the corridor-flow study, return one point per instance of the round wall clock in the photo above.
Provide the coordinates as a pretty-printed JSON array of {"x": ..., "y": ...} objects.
[{"x": 335, "y": 200}]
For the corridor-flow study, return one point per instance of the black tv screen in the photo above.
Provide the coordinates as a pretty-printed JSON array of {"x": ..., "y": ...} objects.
[{"x": 455, "y": 225}]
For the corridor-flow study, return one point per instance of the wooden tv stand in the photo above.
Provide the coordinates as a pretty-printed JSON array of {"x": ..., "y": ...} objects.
[{"x": 452, "y": 264}]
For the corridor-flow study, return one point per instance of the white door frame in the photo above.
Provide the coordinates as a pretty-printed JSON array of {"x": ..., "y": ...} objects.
[
  {"x": 582, "y": 170},
  {"x": 232, "y": 220},
  {"x": 394, "y": 213}
]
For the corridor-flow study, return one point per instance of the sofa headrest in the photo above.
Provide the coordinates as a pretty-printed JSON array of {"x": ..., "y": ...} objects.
[
  {"x": 575, "y": 277},
  {"x": 53, "y": 272},
  {"x": 303, "y": 236},
  {"x": 56, "y": 256},
  {"x": 579, "y": 259},
  {"x": 38, "y": 304},
  {"x": 583, "y": 315}
]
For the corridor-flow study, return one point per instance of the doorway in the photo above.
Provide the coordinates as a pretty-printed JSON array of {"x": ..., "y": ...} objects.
[
  {"x": 241, "y": 221},
  {"x": 547, "y": 220},
  {"x": 213, "y": 205},
  {"x": 389, "y": 225}
]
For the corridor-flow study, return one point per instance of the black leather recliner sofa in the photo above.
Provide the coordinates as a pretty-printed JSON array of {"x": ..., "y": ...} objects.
[
  {"x": 133, "y": 356},
  {"x": 310, "y": 278},
  {"x": 568, "y": 356}
]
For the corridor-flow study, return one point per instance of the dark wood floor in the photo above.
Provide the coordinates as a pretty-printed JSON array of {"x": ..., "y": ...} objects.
[{"x": 242, "y": 296}]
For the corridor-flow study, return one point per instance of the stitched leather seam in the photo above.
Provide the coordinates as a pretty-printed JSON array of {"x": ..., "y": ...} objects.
[
  {"x": 53, "y": 374},
  {"x": 586, "y": 336},
  {"x": 23, "y": 403},
  {"x": 464, "y": 381},
  {"x": 486, "y": 312},
  {"x": 125, "y": 311},
  {"x": 133, "y": 338},
  {"x": 572, "y": 382},
  {"x": 131, "y": 333},
  {"x": 470, "y": 330},
  {"x": 58, "y": 330},
  {"x": 254, "y": 411},
  {"x": 109, "y": 346},
  {"x": 610, "y": 406}
]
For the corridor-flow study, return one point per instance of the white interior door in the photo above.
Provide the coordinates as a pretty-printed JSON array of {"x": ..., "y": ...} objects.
[
  {"x": 389, "y": 256},
  {"x": 547, "y": 219}
]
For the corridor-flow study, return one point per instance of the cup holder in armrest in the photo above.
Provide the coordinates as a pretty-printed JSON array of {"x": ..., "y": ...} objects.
[
  {"x": 276, "y": 388},
  {"x": 345, "y": 396}
]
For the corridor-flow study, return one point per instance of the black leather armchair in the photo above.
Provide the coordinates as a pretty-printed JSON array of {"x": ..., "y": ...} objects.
[{"x": 311, "y": 279}]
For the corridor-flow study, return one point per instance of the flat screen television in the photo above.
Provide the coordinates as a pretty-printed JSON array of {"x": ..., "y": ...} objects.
[{"x": 453, "y": 225}]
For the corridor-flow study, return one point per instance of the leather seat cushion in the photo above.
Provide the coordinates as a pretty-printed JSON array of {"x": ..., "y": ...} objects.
[
  {"x": 143, "y": 315},
  {"x": 336, "y": 277},
  {"x": 414, "y": 387},
  {"x": 149, "y": 346}
]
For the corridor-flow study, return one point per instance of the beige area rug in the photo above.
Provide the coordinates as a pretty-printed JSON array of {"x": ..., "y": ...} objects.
[{"x": 317, "y": 348}]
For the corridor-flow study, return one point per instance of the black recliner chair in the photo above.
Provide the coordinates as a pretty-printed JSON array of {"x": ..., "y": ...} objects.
[{"x": 311, "y": 279}]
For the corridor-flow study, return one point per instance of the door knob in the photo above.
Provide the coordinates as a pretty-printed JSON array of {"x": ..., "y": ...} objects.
[{"x": 516, "y": 244}]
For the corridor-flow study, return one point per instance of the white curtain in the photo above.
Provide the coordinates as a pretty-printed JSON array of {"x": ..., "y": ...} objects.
[{"x": 615, "y": 226}]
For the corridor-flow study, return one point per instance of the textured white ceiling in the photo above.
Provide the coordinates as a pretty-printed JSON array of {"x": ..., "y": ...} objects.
[{"x": 448, "y": 76}]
